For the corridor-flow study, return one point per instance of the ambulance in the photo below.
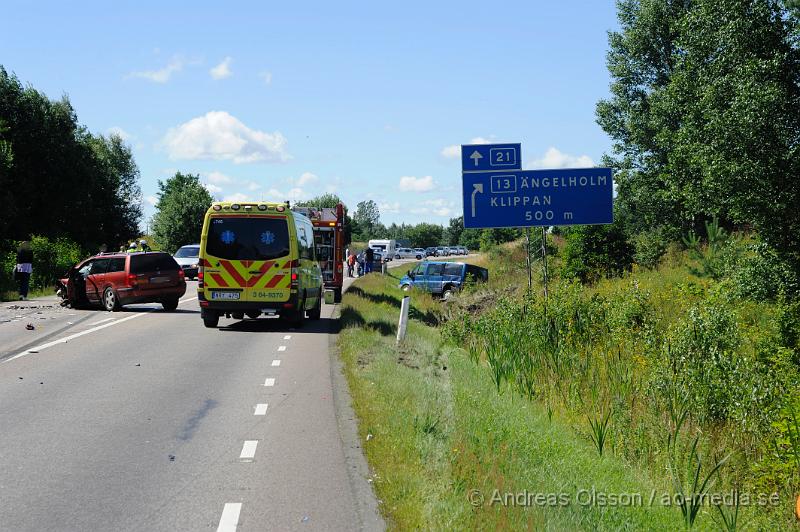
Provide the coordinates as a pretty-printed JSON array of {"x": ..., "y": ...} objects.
[{"x": 257, "y": 258}]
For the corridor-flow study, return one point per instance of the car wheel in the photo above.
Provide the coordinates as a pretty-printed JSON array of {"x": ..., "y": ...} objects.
[
  {"x": 316, "y": 312},
  {"x": 253, "y": 314},
  {"x": 110, "y": 300},
  {"x": 211, "y": 320},
  {"x": 447, "y": 294},
  {"x": 419, "y": 257},
  {"x": 169, "y": 304},
  {"x": 405, "y": 287},
  {"x": 238, "y": 315},
  {"x": 397, "y": 257}
]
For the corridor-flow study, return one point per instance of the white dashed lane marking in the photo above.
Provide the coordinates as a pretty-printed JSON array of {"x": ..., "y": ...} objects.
[
  {"x": 287, "y": 337},
  {"x": 230, "y": 517},
  {"x": 276, "y": 362},
  {"x": 269, "y": 382},
  {"x": 249, "y": 450},
  {"x": 282, "y": 348},
  {"x": 261, "y": 409}
]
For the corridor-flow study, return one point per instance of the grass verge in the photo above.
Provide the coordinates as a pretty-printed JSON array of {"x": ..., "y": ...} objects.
[{"x": 450, "y": 452}]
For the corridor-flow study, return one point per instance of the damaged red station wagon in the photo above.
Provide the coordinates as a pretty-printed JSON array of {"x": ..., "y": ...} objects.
[{"x": 116, "y": 279}]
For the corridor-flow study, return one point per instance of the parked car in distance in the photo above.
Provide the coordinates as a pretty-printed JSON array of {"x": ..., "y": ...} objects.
[
  {"x": 405, "y": 253},
  {"x": 113, "y": 280},
  {"x": 188, "y": 258},
  {"x": 430, "y": 252},
  {"x": 419, "y": 253},
  {"x": 461, "y": 250},
  {"x": 440, "y": 251},
  {"x": 442, "y": 278}
]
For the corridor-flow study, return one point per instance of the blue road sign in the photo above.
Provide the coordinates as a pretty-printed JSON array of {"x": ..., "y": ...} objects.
[
  {"x": 490, "y": 157},
  {"x": 538, "y": 197}
]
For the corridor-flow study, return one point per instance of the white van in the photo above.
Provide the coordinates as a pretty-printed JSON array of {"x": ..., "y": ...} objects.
[{"x": 386, "y": 247}]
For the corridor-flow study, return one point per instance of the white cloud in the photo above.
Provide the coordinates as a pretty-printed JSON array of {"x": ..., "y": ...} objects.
[
  {"x": 118, "y": 131},
  {"x": 218, "y": 135},
  {"x": 152, "y": 200},
  {"x": 222, "y": 70},
  {"x": 212, "y": 188},
  {"x": 306, "y": 178},
  {"x": 219, "y": 178},
  {"x": 267, "y": 77},
  {"x": 451, "y": 152},
  {"x": 436, "y": 207},
  {"x": 553, "y": 158},
  {"x": 416, "y": 184},
  {"x": 386, "y": 207},
  {"x": 161, "y": 75},
  {"x": 237, "y": 197},
  {"x": 252, "y": 186},
  {"x": 454, "y": 150}
]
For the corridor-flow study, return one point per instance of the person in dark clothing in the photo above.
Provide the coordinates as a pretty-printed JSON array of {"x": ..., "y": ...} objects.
[
  {"x": 369, "y": 256},
  {"x": 23, "y": 269}
]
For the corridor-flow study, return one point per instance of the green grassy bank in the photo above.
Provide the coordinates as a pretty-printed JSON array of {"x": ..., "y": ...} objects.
[{"x": 450, "y": 451}]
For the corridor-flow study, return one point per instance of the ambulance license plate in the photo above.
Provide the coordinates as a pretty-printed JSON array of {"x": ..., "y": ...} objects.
[{"x": 224, "y": 295}]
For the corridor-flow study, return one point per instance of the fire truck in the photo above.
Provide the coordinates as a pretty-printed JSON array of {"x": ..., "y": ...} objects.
[{"x": 329, "y": 243}]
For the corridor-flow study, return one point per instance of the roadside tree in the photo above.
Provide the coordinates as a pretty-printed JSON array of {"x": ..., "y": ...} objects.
[{"x": 182, "y": 204}]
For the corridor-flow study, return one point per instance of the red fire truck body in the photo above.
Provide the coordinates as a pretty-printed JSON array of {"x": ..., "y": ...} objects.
[{"x": 329, "y": 244}]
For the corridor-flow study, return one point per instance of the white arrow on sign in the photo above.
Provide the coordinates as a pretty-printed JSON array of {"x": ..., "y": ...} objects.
[
  {"x": 477, "y": 187},
  {"x": 476, "y": 157}
]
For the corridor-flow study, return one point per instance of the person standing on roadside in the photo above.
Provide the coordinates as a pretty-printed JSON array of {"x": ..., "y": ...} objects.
[
  {"x": 351, "y": 261},
  {"x": 369, "y": 256},
  {"x": 24, "y": 269}
]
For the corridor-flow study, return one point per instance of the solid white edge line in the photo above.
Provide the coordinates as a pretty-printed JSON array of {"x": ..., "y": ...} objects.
[
  {"x": 269, "y": 382},
  {"x": 82, "y": 333},
  {"x": 230, "y": 517},
  {"x": 102, "y": 321},
  {"x": 276, "y": 362},
  {"x": 248, "y": 450},
  {"x": 282, "y": 348},
  {"x": 261, "y": 409}
]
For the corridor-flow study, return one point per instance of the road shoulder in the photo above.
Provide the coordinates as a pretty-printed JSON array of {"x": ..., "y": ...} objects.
[{"x": 357, "y": 469}]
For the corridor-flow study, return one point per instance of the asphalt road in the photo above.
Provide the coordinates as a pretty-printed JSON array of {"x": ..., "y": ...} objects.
[{"x": 146, "y": 420}]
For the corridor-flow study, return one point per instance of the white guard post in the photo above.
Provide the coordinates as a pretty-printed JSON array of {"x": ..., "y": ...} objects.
[{"x": 401, "y": 327}]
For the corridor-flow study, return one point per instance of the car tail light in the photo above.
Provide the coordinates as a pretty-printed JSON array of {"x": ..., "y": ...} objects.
[
  {"x": 204, "y": 303},
  {"x": 200, "y": 277},
  {"x": 288, "y": 305},
  {"x": 181, "y": 275},
  {"x": 295, "y": 264}
]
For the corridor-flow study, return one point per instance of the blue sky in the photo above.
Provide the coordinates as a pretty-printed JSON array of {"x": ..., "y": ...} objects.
[{"x": 288, "y": 100}]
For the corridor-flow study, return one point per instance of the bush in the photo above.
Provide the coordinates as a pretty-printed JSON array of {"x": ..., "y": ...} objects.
[
  {"x": 592, "y": 252},
  {"x": 51, "y": 259},
  {"x": 761, "y": 275},
  {"x": 649, "y": 247}
]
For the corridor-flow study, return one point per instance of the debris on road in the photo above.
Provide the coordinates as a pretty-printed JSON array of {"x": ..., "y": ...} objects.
[{"x": 30, "y": 327}]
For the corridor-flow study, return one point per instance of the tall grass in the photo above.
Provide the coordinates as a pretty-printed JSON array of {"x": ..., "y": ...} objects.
[{"x": 663, "y": 356}]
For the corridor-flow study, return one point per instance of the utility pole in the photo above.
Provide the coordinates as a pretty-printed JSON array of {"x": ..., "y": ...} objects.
[
  {"x": 528, "y": 257},
  {"x": 544, "y": 259}
]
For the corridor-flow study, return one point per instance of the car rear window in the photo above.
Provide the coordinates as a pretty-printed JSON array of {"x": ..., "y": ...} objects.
[
  {"x": 150, "y": 262},
  {"x": 452, "y": 269},
  {"x": 188, "y": 251},
  {"x": 477, "y": 273},
  {"x": 256, "y": 238}
]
